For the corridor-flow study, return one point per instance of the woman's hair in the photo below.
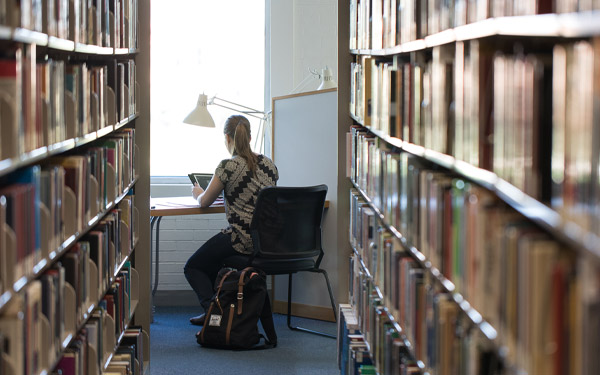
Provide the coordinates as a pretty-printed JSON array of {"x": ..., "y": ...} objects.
[{"x": 237, "y": 127}]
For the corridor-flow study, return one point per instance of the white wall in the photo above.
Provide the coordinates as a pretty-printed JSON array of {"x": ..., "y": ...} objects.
[
  {"x": 303, "y": 35},
  {"x": 180, "y": 237}
]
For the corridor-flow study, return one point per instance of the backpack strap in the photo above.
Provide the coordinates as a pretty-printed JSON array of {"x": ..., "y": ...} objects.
[
  {"x": 219, "y": 289},
  {"x": 206, "y": 317},
  {"x": 240, "y": 295},
  {"x": 266, "y": 320}
]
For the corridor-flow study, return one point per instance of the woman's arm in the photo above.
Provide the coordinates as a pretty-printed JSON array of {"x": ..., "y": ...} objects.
[{"x": 206, "y": 197}]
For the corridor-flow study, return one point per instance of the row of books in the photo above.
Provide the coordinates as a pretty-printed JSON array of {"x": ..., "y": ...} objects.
[
  {"x": 352, "y": 351},
  {"x": 43, "y": 205},
  {"x": 82, "y": 356},
  {"x": 414, "y": 101},
  {"x": 93, "y": 349},
  {"x": 391, "y": 353},
  {"x": 377, "y": 24},
  {"x": 104, "y": 23},
  {"x": 47, "y": 102},
  {"x": 575, "y": 159},
  {"x": 528, "y": 286},
  {"x": 61, "y": 300},
  {"x": 439, "y": 336},
  {"x": 490, "y": 109}
]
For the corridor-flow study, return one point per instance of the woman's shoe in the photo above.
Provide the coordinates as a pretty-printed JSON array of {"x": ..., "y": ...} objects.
[{"x": 198, "y": 320}]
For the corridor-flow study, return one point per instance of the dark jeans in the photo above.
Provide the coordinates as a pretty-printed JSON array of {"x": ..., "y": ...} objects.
[{"x": 202, "y": 267}]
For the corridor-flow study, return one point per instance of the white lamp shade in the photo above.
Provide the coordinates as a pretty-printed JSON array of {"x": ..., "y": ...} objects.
[
  {"x": 200, "y": 115},
  {"x": 327, "y": 81}
]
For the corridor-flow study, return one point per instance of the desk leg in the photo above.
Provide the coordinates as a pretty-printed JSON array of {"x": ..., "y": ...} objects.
[
  {"x": 157, "y": 256},
  {"x": 153, "y": 220}
]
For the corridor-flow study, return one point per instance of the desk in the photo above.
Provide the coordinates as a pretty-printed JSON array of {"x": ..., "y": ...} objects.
[
  {"x": 177, "y": 206},
  {"x": 174, "y": 206}
]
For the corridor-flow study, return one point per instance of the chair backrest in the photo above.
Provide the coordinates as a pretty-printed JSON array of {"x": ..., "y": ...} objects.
[{"x": 287, "y": 222}]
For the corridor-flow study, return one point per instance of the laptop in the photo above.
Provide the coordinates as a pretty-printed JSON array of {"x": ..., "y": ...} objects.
[{"x": 203, "y": 179}]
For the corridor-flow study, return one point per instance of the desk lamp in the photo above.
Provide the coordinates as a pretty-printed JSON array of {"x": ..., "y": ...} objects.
[
  {"x": 201, "y": 117},
  {"x": 326, "y": 77}
]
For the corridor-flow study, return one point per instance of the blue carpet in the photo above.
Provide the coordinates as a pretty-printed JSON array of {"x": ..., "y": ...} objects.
[{"x": 174, "y": 349}]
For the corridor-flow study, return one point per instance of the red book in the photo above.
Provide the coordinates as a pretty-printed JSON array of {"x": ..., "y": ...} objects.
[
  {"x": 66, "y": 366},
  {"x": 110, "y": 305}
]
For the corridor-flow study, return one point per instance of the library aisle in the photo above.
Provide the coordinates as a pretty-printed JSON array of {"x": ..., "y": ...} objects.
[{"x": 174, "y": 349}]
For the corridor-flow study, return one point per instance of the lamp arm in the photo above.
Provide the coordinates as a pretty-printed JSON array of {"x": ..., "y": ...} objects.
[
  {"x": 251, "y": 110},
  {"x": 249, "y": 113}
]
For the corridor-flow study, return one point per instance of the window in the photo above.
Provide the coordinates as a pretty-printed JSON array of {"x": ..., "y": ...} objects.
[{"x": 215, "y": 47}]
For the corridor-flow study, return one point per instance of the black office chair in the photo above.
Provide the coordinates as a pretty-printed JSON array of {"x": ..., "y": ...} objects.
[{"x": 286, "y": 235}]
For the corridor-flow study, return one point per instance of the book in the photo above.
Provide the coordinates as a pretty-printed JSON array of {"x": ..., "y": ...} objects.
[
  {"x": 12, "y": 142},
  {"x": 12, "y": 328},
  {"x": 33, "y": 327},
  {"x": 4, "y": 282}
]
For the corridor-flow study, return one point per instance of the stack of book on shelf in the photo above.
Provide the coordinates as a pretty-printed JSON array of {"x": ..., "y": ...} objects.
[
  {"x": 71, "y": 306},
  {"x": 45, "y": 207},
  {"x": 378, "y": 24},
  {"x": 509, "y": 270},
  {"x": 474, "y": 158},
  {"x": 68, "y": 218},
  {"x": 491, "y": 110},
  {"x": 81, "y": 357},
  {"x": 46, "y": 103},
  {"x": 104, "y": 23}
]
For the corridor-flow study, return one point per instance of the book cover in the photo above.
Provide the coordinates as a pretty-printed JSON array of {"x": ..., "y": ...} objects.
[
  {"x": 67, "y": 364},
  {"x": 12, "y": 328},
  {"x": 11, "y": 141},
  {"x": 33, "y": 328}
]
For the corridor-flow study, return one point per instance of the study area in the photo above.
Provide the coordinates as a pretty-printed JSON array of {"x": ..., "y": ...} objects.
[{"x": 349, "y": 187}]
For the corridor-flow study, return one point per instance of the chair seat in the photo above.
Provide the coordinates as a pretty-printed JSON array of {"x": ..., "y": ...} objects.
[{"x": 272, "y": 266}]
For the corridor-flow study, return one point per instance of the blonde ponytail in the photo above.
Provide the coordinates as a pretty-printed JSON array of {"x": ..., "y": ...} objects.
[{"x": 237, "y": 127}]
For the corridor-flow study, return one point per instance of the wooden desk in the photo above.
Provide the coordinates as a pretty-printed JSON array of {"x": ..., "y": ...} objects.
[{"x": 175, "y": 206}]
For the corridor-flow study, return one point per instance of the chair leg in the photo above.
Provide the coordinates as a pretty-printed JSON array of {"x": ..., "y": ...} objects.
[
  {"x": 331, "y": 298},
  {"x": 289, "y": 303},
  {"x": 289, "y": 314}
]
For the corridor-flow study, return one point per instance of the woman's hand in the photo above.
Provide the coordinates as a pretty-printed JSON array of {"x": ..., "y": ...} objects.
[{"x": 196, "y": 190}]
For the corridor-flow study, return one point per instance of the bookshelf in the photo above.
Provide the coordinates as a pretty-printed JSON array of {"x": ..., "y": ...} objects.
[
  {"x": 473, "y": 205},
  {"x": 74, "y": 187}
]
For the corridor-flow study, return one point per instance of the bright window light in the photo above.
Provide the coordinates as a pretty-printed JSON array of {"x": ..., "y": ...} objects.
[{"x": 215, "y": 47}]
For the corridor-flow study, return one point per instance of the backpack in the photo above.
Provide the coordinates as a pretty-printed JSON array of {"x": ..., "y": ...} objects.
[{"x": 232, "y": 319}]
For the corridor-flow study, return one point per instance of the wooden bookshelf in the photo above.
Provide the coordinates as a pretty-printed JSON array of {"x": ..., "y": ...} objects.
[
  {"x": 78, "y": 144},
  {"x": 434, "y": 112},
  {"x": 571, "y": 25},
  {"x": 567, "y": 231}
]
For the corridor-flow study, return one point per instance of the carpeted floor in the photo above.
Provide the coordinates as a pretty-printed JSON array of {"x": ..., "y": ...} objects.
[{"x": 174, "y": 349}]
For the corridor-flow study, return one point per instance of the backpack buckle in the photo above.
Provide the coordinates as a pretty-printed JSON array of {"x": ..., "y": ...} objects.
[{"x": 240, "y": 296}]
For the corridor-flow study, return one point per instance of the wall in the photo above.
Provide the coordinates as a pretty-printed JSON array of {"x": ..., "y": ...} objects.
[{"x": 303, "y": 35}]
